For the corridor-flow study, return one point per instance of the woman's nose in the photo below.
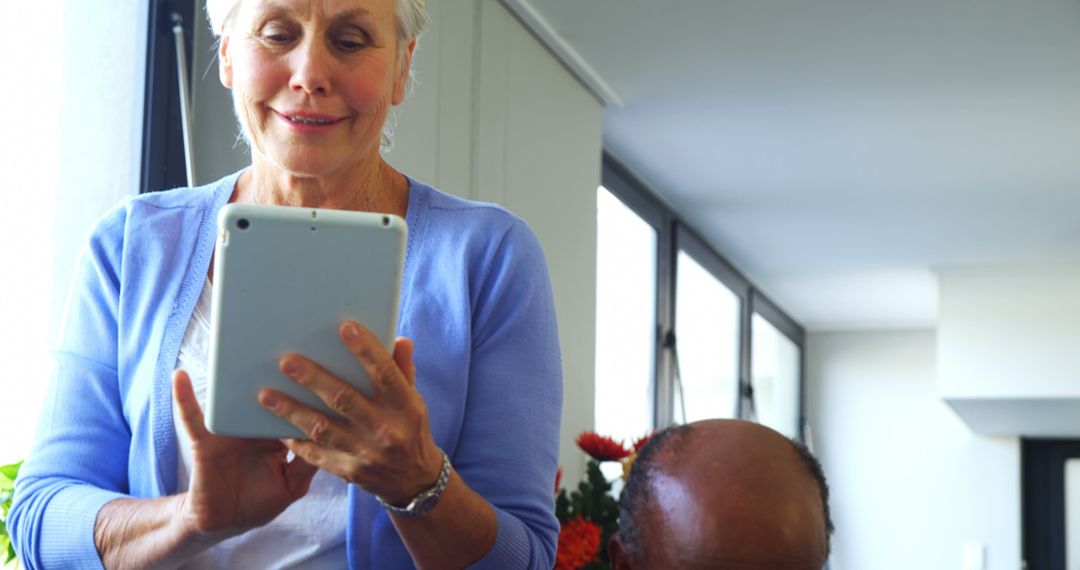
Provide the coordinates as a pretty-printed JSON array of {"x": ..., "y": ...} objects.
[{"x": 311, "y": 68}]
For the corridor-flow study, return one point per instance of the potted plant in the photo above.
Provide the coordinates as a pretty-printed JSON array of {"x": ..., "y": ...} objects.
[{"x": 589, "y": 515}]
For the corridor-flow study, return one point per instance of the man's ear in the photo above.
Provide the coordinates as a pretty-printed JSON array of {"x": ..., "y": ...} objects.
[
  {"x": 617, "y": 553},
  {"x": 225, "y": 70}
]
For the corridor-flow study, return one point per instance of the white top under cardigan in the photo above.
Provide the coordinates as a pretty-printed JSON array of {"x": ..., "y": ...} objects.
[{"x": 310, "y": 534}]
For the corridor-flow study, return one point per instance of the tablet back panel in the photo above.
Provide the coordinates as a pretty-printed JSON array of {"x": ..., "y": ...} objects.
[{"x": 284, "y": 279}]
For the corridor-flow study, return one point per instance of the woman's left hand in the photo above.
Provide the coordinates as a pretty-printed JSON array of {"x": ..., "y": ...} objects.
[{"x": 382, "y": 443}]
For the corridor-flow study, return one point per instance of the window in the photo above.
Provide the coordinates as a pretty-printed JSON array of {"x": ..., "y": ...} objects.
[
  {"x": 680, "y": 332},
  {"x": 707, "y": 341},
  {"x": 710, "y": 301},
  {"x": 775, "y": 377},
  {"x": 625, "y": 319},
  {"x": 776, "y": 368}
]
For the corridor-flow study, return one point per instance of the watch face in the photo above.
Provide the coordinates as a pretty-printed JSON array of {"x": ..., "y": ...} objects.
[{"x": 424, "y": 504}]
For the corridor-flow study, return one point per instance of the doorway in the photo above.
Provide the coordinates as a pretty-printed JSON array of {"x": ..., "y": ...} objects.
[{"x": 1050, "y": 495}]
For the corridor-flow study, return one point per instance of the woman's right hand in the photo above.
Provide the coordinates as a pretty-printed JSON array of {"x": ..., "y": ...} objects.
[{"x": 236, "y": 484}]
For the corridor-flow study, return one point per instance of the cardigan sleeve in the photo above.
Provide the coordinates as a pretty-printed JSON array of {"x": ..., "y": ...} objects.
[
  {"x": 79, "y": 458},
  {"x": 509, "y": 441}
]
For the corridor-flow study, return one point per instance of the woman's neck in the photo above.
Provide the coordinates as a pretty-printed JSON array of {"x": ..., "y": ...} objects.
[{"x": 378, "y": 188}]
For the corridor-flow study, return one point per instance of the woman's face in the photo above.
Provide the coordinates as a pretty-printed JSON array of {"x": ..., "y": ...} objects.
[{"x": 313, "y": 80}]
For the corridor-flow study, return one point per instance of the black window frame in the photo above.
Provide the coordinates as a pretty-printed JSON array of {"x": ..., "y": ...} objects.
[{"x": 163, "y": 165}]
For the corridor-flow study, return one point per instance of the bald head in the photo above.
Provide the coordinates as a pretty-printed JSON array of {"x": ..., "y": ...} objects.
[{"x": 723, "y": 494}]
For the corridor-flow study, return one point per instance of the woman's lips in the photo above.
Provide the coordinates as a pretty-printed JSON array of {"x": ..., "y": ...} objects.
[{"x": 308, "y": 121}]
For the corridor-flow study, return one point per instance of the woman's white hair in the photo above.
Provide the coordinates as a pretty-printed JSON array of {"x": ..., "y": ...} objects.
[{"x": 411, "y": 16}]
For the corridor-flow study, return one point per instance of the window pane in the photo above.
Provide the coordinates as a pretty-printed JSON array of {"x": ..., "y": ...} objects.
[
  {"x": 775, "y": 376},
  {"x": 707, "y": 337},
  {"x": 625, "y": 319}
]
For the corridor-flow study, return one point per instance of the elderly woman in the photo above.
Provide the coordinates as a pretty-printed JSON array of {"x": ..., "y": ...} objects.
[{"x": 450, "y": 463}]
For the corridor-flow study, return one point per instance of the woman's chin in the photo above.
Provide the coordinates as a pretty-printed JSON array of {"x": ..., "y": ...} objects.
[
  {"x": 316, "y": 161},
  {"x": 310, "y": 166}
]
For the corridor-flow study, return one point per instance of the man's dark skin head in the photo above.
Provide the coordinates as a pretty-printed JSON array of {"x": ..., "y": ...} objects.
[{"x": 724, "y": 494}]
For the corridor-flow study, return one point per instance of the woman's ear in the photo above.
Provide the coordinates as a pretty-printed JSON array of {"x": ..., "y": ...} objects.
[
  {"x": 402, "y": 79},
  {"x": 224, "y": 63}
]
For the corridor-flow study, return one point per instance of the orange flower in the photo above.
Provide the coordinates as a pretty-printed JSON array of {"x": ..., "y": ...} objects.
[
  {"x": 641, "y": 441},
  {"x": 579, "y": 544},
  {"x": 600, "y": 447},
  {"x": 558, "y": 479}
]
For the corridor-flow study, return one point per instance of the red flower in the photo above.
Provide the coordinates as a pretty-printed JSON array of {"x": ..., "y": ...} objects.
[
  {"x": 641, "y": 441},
  {"x": 600, "y": 447},
  {"x": 558, "y": 479},
  {"x": 579, "y": 544}
]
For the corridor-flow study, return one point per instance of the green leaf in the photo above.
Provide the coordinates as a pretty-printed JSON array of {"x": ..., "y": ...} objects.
[
  {"x": 562, "y": 507},
  {"x": 11, "y": 471}
]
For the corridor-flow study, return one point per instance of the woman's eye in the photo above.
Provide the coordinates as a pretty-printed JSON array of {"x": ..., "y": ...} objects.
[
  {"x": 275, "y": 35},
  {"x": 351, "y": 43}
]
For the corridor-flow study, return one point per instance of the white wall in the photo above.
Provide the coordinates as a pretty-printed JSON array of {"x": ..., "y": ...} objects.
[
  {"x": 1007, "y": 354},
  {"x": 494, "y": 117},
  {"x": 1010, "y": 331},
  {"x": 910, "y": 482}
]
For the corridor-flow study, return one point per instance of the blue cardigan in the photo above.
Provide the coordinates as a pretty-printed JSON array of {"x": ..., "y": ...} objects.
[{"x": 476, "y": 300}]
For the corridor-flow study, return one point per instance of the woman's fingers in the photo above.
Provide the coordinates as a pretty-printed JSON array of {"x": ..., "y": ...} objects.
[
  {"x": 391, "y": 388},
  {"x": 317, "y": 426},
  {"x": 190, "y": 413},
  {"x": 403, "y": 356},
  {"x": 378, "y": 445},
  {"x": 339, "y": 395}
]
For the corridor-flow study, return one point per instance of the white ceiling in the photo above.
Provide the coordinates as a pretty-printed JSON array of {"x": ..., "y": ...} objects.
[{"x": 838, "y": 151}]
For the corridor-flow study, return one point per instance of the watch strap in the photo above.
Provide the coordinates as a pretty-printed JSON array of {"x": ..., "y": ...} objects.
[{"x": 425, "y": 501}]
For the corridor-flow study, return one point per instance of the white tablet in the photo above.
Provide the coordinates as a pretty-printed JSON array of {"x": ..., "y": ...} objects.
[{"x": 284, "y": 279}]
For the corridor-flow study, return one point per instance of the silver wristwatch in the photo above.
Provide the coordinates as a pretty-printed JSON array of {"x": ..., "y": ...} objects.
[{"x": 424, "y": 502}]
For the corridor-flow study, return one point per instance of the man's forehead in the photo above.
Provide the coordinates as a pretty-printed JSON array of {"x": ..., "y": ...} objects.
[
  {"x": 692, "y": 541},
  {"x": 731, "y": 495}
]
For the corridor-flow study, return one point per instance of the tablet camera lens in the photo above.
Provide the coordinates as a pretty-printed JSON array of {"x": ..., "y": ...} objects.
[
  {"x": 386, "y": 220},
  {"x": 243, "y": 223}
]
